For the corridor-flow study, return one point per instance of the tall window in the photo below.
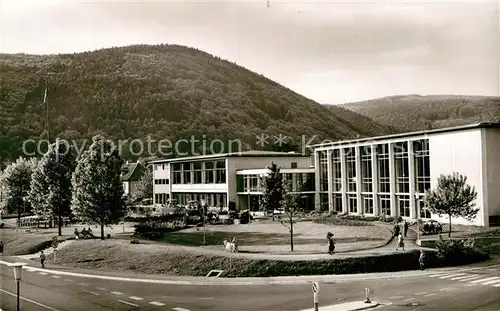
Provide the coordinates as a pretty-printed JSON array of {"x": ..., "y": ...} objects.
[
  {"x": 422, "y": 167},
  {"x": 252, "y": 183},
  {"x": 197, "y": 169},
  {"x": 337, "y": 202},
  {"x": 323, "y": 201},
  {"x": 352, "y": 201},
  {"x": 401, "y": 167},
  {"x": 385, "y": 204},
  {"x": 403, "y": 202},
  {"x": 323, "y": 171},
  {"x": 177, "y": 173},
  {"x": 366, "y": 169},
  {"x": 220, "y": 171},
  {"x": 383, "y": 168},
  {"x": 209, "y": 172},
  {"x": 350, "y": 161},
  {"x": 186, "y": 173},
  {"x": 367, "y": 203},
  {"x": 337, "y": 170}
]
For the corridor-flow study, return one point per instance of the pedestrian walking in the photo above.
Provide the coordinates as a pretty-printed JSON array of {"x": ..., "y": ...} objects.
[
  {"x": 42, "y": 259},
  {"x": 405, "y": 228},
  {"x": 401, "y": 243},
  {"x": 331, "y": 243},
  {"x": 421, "y": 260},
  {"x": 396, "y": 230}
]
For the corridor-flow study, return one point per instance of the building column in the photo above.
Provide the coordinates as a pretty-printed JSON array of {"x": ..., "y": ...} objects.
[
  {"x": 330, "y": 179},
  {"x": 358, "y": 180},
  {"x": 376, "y": 210},
  {"x": 392, "y": 174},
  {"x": 411, "y": 178},
  {"x": 317, "y": 203},
  {"x": 343, "y": 176}
]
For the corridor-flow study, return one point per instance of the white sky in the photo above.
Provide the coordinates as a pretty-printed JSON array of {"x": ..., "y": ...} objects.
[{"x": 330, "y": 51}]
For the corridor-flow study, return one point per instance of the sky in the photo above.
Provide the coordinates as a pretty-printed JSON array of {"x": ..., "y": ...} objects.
[{"x": 330, "y": 51}]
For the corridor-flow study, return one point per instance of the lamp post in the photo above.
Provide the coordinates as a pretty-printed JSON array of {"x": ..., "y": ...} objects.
[
  {"x": 18, "y": 266},
  {"x": 202, "y": 202},
  {"x": 417, "y": 201}
]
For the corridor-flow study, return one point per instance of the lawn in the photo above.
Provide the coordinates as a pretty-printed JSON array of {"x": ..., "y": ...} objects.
[{"x": 250, "y": 238}]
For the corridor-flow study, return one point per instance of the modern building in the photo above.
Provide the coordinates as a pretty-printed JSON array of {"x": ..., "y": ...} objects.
[
  {"x": 390, "y": 174},
  {"x": 132, "y": 174},
  {"x": 220, "y": 179}
]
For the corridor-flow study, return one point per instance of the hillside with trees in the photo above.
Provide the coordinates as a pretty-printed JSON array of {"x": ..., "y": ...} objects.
[
  {"x": 415, "y": 112},
  {"x": 165, "y": 91}
]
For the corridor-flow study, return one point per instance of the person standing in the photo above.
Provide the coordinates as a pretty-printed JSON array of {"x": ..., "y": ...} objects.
[
  {"x": 42, "y": 259},
  {"x": 400, "y": 242},
  {"x": 421, "y": 260},
  {"x": 405, "y": 228},
  {"x": 331, "y": 243}
]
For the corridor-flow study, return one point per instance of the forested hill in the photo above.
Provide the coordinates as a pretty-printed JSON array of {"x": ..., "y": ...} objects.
[
  {"x": 415, "y": 112},
  {"x": 166, "y": 91}
]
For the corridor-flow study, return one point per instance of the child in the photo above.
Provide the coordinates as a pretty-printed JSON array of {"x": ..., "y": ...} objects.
[
  {"x": 421, "y": 259},
  {"x": 42, "y": 259},
  {"x": 400, "y": 242}
]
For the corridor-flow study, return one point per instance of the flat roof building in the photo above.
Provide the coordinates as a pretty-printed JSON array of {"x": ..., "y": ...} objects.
[
  {"x": 223, "y": 178},
  {"x": 388, "y": 175}
]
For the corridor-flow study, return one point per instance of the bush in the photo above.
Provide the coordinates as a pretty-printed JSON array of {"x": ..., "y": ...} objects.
[
  {"x": 343, "y": 222},
  {"x": 360, "y": 217},
  {"x": 386, "y": 218},
  {"x": 134, "y": 241},
  {"x": 453, "y": 252},
  {"x": 156, "y": 229}
]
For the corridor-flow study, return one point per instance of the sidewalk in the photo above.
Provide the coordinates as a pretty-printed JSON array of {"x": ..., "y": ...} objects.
[{"x": 348, "y": 306}]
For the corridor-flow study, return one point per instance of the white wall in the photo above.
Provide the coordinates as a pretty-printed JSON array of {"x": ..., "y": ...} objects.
[
  {"x": 460, "y": 152},
  {"x": 163, "y": 172},
  {"x": 491, "y": 170}
]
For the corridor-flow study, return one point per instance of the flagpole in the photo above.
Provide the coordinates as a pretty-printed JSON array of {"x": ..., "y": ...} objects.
[{"x": 47, "y": 112}]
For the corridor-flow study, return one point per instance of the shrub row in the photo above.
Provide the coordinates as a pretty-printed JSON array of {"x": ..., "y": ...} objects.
[
  {"x": 343, "y": 222},
  {"x": 156, "y": 229}
]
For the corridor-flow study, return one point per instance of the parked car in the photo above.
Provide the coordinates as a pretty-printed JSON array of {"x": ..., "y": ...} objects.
[{"x": 432, "y": 227}]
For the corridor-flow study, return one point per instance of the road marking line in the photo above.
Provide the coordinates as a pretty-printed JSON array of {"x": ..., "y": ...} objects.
[
  {"x": 28, "y": 300},
  {"x": 396, "y": 297},
  {"x": 205, "y": 298},
  {"x": 446, "y": 288},
  {"x": 135, "y": 298},
  {"x": 464, "y": 277},
  {"x": 42, "y": 273},
  {"x": 180, "y": 309},
  {"x": 128, "y": 303},
  {"x": 409, "y": 299},
  {"x": 156, "y": 303},
  {"x": 496, "y": 285},
  {"x": 450, "y": 276},
  {"x": 431, "y": 294},
  {"x": 117, "y": 293},
  {"x": 492, "y": 281},
  {"x": 101, "y": 288},
  {"x": 470, "y": 278},
  {"x": 95, "y": 294},
  {"x": 470, "y": 284},
  {"x": 436, "y": 275},
  {"x": 421, "y": 293},
  {"x": 56, "y": 277},
  {"x": 83, "y": 284},
  {"x": 483, "y": 280}
]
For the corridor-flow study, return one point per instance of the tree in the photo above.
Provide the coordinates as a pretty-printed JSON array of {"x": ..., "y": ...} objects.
[
  {"x": 273, "y": 190},
  {"x": 452, "y": 197},
  {"x": 15, "y": 180},
  {"x": 52, "y": 179},
  {"x": 144, "y": 188},
  {"x": 97, "y": 187},
  {"x": 292, "y": 209}
]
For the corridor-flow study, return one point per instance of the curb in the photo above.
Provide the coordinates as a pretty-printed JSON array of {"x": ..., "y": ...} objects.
[{"x": 346, "y": 307}]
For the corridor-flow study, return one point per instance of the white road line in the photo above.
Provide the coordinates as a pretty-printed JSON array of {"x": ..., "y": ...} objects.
[
  {"x": 464, "y": 277},
  {"x": 431, "y": 294},
  {"x": 128, "y": 303},
  {"x": 491, "y": 282},
  {"x": 204, "y": 298},
  {"x": 135, "y": 298},
  {"x": 156, "y": 303},
  {"x": 117, "y": 293},
  {"x": 101, "y": 288},
  {"x": 180, "y": 309},
  {"x": 28, "y": 300},
  {"x": 496, "y": 285},
  {"x": 471, "y": 284},
  {"x": 446, "y": 288},
  {"x": 56, "y": 277},
  {"x": 483, "y": 280},
  {"x": 95, "y": 294},
  {"x": 43, "y": 273},
  {"x": 421, "y": 293},
  {"x": 83, "y": 284},
  {"x": 470, "y": 278},
  {"x": 396, "y": 297},
  {"x": 451, "y": 275},
  {"x": 409, "y": 299},
  {"x": 438, "y": 274}
]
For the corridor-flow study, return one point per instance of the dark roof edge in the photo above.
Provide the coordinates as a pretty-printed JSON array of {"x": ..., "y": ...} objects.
[{"x": 409, "y": 134}]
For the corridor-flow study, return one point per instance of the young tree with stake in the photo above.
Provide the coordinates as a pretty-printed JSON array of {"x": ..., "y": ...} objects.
[
  {"x": 452, "y": 197},
  {"x": 273, "y": 191},
  {"x": 292, "y": 209},
  {"x": 97, "y": 186}
]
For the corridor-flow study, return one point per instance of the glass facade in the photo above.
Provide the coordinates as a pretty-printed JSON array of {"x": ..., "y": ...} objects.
[
  {"x": 422, "y": 165},
  {"x": 199, "y": 172},
  {"x": 366, "y": 169},
  {"x": 384, "y": 174},
  {"x": 350, "y": 163},
  {"x": 337, "y": 170},
  {"x": 323, "y": 171},
  {"x": 402, "y": 167}
]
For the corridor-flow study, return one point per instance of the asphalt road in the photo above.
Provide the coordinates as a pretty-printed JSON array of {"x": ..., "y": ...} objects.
[{"x": 457, "y": 289}]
